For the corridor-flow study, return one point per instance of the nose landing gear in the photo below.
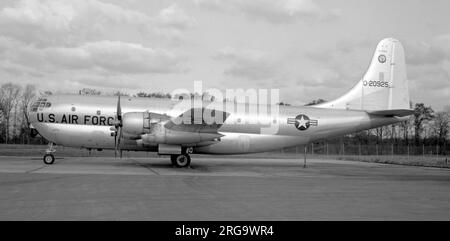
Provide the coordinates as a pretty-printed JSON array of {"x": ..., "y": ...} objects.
[{"x": 48, "y": 157}]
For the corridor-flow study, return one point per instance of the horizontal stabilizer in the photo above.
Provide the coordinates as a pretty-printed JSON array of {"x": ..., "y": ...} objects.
[{"x": 397, "y": 112}]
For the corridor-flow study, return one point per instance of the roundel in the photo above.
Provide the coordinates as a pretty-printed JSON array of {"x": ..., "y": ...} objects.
[
  {"x": 382, "y": 58},
  {"x": 302, "y": 122}
]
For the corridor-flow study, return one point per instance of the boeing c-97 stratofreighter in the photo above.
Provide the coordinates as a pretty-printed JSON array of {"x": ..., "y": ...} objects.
[{"x": 159, "y": 125}]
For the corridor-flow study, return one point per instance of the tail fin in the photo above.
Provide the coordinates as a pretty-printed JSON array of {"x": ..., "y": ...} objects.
[{"x": 384, "y": 87}]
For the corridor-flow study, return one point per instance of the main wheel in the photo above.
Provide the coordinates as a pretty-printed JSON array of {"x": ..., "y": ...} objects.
[
  {"x": 182, "y": 160},
  {"x": 49, "y": 159}
]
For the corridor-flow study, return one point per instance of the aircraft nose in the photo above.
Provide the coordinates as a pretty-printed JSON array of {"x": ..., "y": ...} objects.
[{"x": 31, "y": 109}]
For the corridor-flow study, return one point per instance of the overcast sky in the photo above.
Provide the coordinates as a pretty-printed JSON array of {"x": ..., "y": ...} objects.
[{"x": 307, "y": 49}]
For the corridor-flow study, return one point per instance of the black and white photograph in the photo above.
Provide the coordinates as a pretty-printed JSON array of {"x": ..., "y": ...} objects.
[{"x": 224, "y": 110}]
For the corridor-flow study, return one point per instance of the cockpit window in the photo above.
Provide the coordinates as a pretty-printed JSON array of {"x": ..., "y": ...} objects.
[
  {"x": 34, "y": 106},
  {"x": 40, "y": 104}
]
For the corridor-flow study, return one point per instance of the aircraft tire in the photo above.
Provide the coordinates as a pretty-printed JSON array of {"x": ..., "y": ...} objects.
[
  {"x": 182, "y": 160},
  {"x": 48, "y": 159}
]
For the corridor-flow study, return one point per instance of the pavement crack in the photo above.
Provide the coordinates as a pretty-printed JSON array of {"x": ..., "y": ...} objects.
[
  {"x": 146, "y": 167},
  {"x": 36, "y": 169}
]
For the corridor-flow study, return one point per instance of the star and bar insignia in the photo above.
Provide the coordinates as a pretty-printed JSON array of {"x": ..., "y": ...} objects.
[{"x": 302, "y": 122}]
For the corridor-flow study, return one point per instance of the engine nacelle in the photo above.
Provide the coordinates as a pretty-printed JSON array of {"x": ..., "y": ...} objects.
[{"x": 136, "y": 123}]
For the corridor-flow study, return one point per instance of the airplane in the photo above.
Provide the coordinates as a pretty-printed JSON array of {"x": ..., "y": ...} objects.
[{"x": 380, "y": 98}]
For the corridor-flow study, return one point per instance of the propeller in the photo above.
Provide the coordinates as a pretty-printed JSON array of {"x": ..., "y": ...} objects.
[{"x": 118, "y": 129}]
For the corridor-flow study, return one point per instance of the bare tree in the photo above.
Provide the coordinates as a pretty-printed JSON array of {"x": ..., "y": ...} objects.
[
  {"x": 422, "y": 113},
  {"x": 117, "y": 93},
  {"x": 442, "y": 127},
  {"x": 159, "y": 95},
  {"x": 389, "y": 132},
  {"x": 9, "y": 94},
  {"x": 379, "y": 132},
  {"x": 2, "y": 123},
  {"x": 397, "y": 133},
  {"x": 383, "y": 133},
  {"x": 406, "y": 126},
  {"x": 89, "y": 91},
  {"x": 45, "y": 93},
  {"x": 28, "y": 94}
]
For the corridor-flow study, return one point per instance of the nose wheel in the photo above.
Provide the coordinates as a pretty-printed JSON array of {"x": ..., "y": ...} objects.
[
  {"x": 49, "y": 158},
  {"x": 181, "y": 160}
]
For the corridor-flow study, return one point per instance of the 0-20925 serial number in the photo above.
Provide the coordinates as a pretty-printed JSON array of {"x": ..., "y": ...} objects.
[{"x": 376, "y": 83}]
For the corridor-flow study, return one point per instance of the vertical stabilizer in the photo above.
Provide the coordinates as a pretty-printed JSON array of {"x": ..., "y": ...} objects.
[{"x": 383, "y": 87}]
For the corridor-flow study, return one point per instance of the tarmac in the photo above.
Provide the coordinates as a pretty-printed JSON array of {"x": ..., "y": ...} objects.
[{"x": 219, "y": 188}]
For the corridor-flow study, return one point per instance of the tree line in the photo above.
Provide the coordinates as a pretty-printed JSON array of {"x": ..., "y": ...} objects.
[{"x": 425, "y": 126}]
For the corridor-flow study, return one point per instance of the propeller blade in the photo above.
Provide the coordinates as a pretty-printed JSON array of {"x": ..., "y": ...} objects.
[
  {"x": 120, "y": 138},
  {"x": 117, "y": 126},
  {"x": 115, "y": 144},
  {"x": 118, "y": 141},
  {"x": 119, "y": 111}
]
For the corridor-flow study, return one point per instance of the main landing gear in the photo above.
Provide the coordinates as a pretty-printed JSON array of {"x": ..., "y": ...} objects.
[
  {"x": 180, "y": 160},
  {"x": 48, "y": 157},
  {"x": 183, "y": 159}
]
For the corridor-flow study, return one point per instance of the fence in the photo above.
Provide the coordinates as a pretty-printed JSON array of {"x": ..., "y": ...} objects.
[{"x": 372, "y": 149}]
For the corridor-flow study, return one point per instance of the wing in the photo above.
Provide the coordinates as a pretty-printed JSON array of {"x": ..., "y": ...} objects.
[{"x": 202, "y": 120}]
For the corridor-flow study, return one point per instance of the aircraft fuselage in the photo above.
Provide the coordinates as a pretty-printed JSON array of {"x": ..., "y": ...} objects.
[{"x": 86, "y": 122}]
